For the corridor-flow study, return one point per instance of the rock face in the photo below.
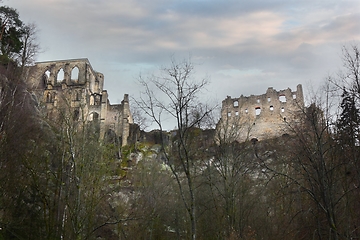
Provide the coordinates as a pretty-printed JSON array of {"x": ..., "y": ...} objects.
[
  {"x": 261, "y": 116},
  {"x": 74, "y": 85}
]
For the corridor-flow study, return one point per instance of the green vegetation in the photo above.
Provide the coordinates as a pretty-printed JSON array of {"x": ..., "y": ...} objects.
[{"x": 58, "y": 181}]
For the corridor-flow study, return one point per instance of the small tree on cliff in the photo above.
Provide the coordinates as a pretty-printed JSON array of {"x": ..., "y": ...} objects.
[
  {"x": 176, "y": 98},
  {"x": 30, "y": 46}
]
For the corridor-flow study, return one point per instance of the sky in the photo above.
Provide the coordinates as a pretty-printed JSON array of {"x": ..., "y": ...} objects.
[{"x": 242, "y": 47}]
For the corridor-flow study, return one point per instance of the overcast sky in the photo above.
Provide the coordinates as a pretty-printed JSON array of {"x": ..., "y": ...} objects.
[{"x": 243, "y": 46}]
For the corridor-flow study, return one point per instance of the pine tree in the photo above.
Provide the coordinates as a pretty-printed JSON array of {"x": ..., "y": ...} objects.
[{"x": 348, "y": 123}]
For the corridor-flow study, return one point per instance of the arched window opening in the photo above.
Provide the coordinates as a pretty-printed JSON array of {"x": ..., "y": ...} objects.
[
  {"x": 75, "y": 74},
  {"x": 46, "y": 78},
  {"x": 271, "y": 108},
  {"x": 246, "y": 110},
  {"x": 257, "y": 111},
  {"x": 282, "y": 109},
  {"x": 47, "y": 73},
  {"x": 236, "y": 103},
  {"x": 282, "y": 98},
  {"x": 60, "y": 75}
]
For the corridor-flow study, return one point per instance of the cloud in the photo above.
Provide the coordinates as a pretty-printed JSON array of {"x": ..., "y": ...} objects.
[{"x": 244, "y": 46}]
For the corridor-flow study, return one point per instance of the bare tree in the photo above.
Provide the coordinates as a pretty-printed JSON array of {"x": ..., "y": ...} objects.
[
  {"x": 176, "y": 99},
  {"x": 30, "y": 46},
  {"x": 350, "y": 76},
  {"x": 230, "y": 176},
  {"x": 311, "y": 160},
  {"x": 139, "y": 118}
]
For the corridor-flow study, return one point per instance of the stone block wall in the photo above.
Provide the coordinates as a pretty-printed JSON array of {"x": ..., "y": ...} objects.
[
  {"x": 74, "y": 85},
  {"x": 260, "y": 116}
]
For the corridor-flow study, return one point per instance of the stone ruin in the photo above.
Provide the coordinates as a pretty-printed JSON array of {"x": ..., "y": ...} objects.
[
  {"x": 74, "y": 84},
  {"x": 260, "y": 116}
]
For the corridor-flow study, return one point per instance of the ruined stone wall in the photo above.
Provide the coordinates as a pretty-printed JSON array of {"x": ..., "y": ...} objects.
[
  {"x": 118, "y": 119},
  {"x": 74, "y": 85},
  {"x": 260, "y": 116}
]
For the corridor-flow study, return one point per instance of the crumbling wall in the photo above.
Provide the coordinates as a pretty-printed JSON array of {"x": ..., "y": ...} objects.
[
  {"x": 118, "y": 119},
  {"x": 75, "y": 85},
  {"x": 260, "y": 116}
]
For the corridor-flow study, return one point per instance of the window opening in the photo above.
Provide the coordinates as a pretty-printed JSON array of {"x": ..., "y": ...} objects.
[
  {"x": 236, "y": 113},
  {"x": 236, "y": 104},
  {"x": 97, "y": 100},
  {"x": 282, "y": 109},
  {"x": 257, "y": 111},
  {"x": 48, "y": 97},
  {"x": 76, "y": 115},
  {"x": 282, "y": 98},
  {"x": 269, "y": 99},
  {"x": 60, "y": 75},
  {"x": 246, "y": 110},
  {"x": 229, "y": 114},
  {"x": 46, "y": 77},
  {"x": 75, "y": 73},
  {"x": 294, "y": 96},
  {"x": 258, "y": 100},
  {"x": 95, "y": 116},
  {"x": 47, "y": 73},
  {"x": 271, "y": 108},
  {"x": 77, "y": 95}
]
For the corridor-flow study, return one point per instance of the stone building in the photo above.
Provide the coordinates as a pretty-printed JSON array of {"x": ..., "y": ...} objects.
[
  {"x": 260, "y": 116},
  {"x": 73, "y": 84}
]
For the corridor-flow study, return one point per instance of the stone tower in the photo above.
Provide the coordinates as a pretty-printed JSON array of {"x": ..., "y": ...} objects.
[
  {"x": 75, "y": 85},
  {"x": 260, "y": 116}
]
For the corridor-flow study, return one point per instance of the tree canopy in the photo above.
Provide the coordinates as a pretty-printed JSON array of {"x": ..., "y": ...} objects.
[{"x": 12, "y": 30}]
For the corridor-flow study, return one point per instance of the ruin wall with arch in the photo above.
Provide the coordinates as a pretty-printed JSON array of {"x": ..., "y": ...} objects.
[
  {"x": 261, "y": 116},
  {"x": 73, "y": 85}
]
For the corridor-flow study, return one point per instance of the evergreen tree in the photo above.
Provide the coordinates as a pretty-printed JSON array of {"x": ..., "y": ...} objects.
[
  {"x": 12, "y": 30},
  {"x": 348, "y": 123}
]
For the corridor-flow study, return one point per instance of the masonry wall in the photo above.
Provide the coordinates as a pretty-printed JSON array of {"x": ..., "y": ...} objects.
[
  {"x": 261, "y": 116},
  {"x": 75, "y": 85}
]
